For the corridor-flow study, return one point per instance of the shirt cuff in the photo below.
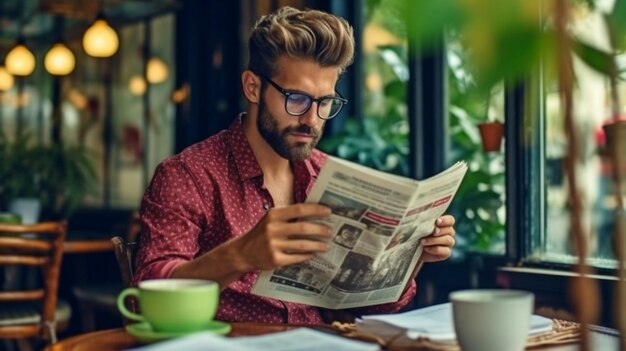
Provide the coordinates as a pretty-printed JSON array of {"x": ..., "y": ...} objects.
[{"x": 159, "y": 270}]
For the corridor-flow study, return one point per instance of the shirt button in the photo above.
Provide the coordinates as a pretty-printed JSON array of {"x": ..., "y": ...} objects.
[{"x": 266, "y": 206}]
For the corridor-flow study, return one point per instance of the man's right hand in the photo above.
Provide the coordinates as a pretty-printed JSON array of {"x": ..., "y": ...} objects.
[{"x": 284, "y": 236}]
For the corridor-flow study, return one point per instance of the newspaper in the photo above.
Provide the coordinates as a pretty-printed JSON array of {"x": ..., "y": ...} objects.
[
  {"x": 299, "y": 339},
  {"x": 378, "y": 220}
]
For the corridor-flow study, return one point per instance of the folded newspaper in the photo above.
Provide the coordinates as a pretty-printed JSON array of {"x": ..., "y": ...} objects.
[
  {"x": 434, "y": 322},
  {"x": 378, "y": 220}
]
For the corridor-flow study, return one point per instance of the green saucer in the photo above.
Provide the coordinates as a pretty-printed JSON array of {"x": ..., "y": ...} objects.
[{"x": 143, "y": 332}]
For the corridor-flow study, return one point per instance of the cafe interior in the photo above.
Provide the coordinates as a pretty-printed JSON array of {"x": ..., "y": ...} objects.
[{"x": 94, "y": 94}]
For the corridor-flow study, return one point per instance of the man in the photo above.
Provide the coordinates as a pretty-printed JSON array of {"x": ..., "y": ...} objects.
[{"x": 232, "y": 205}]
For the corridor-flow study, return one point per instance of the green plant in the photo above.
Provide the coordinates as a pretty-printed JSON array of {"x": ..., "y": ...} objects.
[
  {"x": 60, "y": 176},
  {"x": 380, "y": 140}
]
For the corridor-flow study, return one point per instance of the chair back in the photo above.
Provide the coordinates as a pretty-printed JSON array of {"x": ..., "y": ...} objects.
[
  {"x": 125, "y": 255},
  {"x": 125, "y": 249},
  {"x": 37, "y": 245}
]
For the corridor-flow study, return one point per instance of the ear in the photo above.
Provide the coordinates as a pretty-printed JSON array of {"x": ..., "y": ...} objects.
[{"x": 251, "y": 84}]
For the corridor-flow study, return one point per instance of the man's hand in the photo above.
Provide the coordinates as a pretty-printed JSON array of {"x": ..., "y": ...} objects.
[
  {"x": 284, "y": 237},
  {"x": 438, "y": 245}
]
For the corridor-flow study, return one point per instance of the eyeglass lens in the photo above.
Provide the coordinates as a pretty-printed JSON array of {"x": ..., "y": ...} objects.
[{"x": 298, "y": 104}]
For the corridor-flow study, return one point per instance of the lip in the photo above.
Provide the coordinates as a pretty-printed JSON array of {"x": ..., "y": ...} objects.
[{"x": 303, "y": 136}]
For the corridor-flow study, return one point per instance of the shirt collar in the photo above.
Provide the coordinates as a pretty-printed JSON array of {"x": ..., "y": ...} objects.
[{"x": 241, "y": 150}]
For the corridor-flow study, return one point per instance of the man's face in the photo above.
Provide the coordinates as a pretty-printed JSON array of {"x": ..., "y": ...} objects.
[
  {"x": 294, "y": 137},
  {"x": 279, "y": 139}
]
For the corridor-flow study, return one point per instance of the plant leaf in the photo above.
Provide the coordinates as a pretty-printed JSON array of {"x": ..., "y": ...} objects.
[{"x": 595, "y": 58}]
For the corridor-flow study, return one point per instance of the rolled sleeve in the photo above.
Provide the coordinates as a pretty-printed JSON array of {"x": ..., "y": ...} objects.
[{"x": 172, "y": 217}]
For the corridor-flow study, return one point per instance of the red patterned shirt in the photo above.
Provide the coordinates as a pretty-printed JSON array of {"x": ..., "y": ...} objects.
[{"x": 208, "y": 194}]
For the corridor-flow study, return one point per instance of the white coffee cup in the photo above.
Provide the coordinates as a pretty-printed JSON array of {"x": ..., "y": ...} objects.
[{"x": 492, "y": 320}]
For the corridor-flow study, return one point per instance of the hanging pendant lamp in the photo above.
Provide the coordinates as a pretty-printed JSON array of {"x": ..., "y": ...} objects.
[
  {"x": 59, "y": 60},
  {"x": 6, "y": 79},
  {"x": 20, "y": 61},
  {"x": 100, "y": 39}
]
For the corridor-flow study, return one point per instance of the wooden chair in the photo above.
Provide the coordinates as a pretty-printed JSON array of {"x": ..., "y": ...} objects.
[
  {"x": 125, "y": 250},
  {"x": 33, "y": 312},
  {"x": 103, "y": 296},
  {"x": 125, "y": 254}
]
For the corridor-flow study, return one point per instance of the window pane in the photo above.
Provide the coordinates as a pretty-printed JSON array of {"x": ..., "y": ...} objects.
[
  {"x": 592, "y": 108},
  {"x": 379, "y": 138},
  {"x": 479, "y": 205}
]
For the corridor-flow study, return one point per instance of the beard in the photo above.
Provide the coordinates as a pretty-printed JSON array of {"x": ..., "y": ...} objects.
[{"x": 278, "y": 139}]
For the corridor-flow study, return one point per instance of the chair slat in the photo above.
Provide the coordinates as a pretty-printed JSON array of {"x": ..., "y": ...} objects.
[
  {"x": 23, "y": 260},
  {"x": 44, "y": 249},
  {"x": 26, "y": 244},
  {"x": 20, "y": 295}
]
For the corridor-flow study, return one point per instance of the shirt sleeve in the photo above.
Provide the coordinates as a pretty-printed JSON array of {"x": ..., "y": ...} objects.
[{"x": 172, "y": 216}]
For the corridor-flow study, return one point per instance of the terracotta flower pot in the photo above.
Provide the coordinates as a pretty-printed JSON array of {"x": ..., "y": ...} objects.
[
  {"x": 615, "y": 133},
  {"x": 491, "y": 134}
]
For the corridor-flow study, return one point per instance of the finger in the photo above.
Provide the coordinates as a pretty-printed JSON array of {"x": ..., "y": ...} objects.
[
  {"x": 437, "y": 253},
  {"x": 445, "y": 220},
  {"x": 447, "y": 240},
  {"x": 313, "y": 231},
  {"x": 287, "y": 259},
  {"x": 302, "y": 246},
  {"x": 291, "y": 212},
  {"x": 440, "y": 231}
]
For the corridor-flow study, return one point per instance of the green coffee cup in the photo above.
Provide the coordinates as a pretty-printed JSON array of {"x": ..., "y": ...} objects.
[
  {"x": 173, "y": 305},
  {"x": 10, "y": 218}
]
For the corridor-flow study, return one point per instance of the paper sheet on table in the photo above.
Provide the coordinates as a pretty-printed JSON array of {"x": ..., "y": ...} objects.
[
  {"x": 301, "y": 339},
  {"x": 434, "y": 322}
]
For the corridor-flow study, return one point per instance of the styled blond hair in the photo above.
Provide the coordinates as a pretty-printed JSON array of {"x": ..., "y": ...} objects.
[{"x": 309, "y": 34}]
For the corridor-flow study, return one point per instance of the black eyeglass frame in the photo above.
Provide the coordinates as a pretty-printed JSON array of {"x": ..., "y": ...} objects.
[{"x": 288, "y": 93}]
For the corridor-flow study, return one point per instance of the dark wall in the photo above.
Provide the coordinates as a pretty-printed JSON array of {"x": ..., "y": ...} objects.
[{"x": 208, "y": 59}]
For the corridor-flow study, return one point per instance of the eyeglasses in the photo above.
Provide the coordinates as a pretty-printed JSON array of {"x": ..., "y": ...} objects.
[{"x": 298, "y": 103}]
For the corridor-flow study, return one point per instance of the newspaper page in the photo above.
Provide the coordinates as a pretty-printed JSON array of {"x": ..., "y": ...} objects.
[{"x": 378, "y": 220}]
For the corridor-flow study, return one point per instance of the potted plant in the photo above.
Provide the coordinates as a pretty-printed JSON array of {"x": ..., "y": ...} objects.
[
  {"x": 491, "y": 130},
  {"x": 52, "y": 177}
]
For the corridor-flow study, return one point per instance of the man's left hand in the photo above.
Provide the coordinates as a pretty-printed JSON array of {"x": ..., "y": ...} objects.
[{"x": 438, "y": 245}]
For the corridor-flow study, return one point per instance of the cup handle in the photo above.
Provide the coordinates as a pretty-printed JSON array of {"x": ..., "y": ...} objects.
[{"x": 121, "y": 298}]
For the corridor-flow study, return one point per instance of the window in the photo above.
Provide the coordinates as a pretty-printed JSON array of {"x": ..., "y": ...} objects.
[
  {"x": 479, "y": 205},
  {"x": 592, "y": 108},
  {"x": 380, "y": 138}
]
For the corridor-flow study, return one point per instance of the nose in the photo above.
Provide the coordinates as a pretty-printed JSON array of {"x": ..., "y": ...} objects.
[{"x": 310, "y": 117}]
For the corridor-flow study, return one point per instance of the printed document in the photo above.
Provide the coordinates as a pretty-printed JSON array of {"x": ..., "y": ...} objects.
[{"x": 378, "y": 220}]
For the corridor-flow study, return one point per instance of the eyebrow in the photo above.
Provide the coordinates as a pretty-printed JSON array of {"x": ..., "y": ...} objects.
[{"x": 296, "y": 91}]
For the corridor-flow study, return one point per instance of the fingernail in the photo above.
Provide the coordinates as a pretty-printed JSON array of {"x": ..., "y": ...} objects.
[{"x": 439, "y": 220}]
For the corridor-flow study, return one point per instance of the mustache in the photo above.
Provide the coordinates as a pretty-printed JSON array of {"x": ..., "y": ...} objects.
[{"x": 304, "y": 129}]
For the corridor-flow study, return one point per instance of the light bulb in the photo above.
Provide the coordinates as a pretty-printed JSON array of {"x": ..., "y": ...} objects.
[
  {"x": 20, "y": 61},
  {"x": 157, "y": 70},
  {"x": 137, "y": 85},
  {"x": 6, "y": 79},
  {"x": 59, "y": 60},
  {"x": 100, "y": 40}
]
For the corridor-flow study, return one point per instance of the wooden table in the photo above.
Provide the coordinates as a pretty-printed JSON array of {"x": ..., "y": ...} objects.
[{"x": 118, "y": 339}]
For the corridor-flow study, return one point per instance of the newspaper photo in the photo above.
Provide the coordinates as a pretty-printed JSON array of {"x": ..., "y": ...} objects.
[{"x": 378, "y": 220}]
